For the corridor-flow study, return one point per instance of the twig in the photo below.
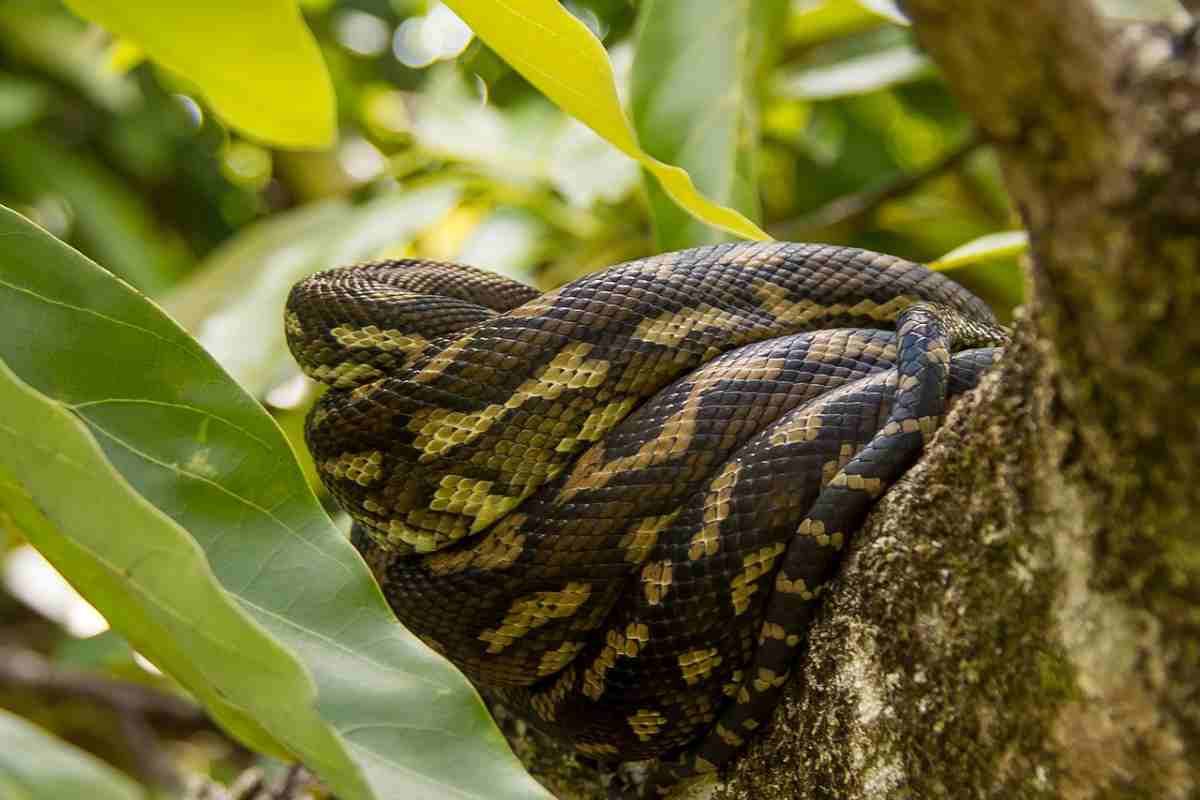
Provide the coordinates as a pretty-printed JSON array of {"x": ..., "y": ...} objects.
[
  {"x": 27, "y": 669},
  {"x": 856, "y": 206}
]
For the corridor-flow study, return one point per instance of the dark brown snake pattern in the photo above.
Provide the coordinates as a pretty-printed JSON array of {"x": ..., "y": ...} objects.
[{"x": 615, "y": 505}]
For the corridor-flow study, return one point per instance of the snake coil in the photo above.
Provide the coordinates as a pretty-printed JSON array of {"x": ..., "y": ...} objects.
[{"x": 615, "y": 505}]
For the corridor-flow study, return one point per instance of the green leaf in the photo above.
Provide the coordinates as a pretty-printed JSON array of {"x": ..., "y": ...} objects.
[
  {"x": 992, "y": 247},
  {"x": 257, "y": 64},
  {"x": 888, "y": 9},
  {"x": 826, "y": 21},
  {"x": 560, "y": 56},
  {"x": 693, "y": 104},
  {"x": 225, "y": 302},
  {"x": 37, "y": 766},
  {"x": 109, "y": 220},
  {"x": 192, "y": 480},
  {"x": 869, "y": 73}
]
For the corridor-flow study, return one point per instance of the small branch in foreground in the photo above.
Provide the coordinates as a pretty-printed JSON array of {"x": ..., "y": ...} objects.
[
  {"x": 134, "y": 705},
  {"x": 857, "y": 206}
]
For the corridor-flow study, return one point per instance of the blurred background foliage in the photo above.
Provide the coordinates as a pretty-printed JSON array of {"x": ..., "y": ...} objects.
[{"x": 819, "y": 119}]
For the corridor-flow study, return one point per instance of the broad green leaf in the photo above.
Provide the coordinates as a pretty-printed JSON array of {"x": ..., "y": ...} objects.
[
  {"x": 560, "y": 56},
  {"x": 888, "y": 9},
  {"x": 233, "y": 303},
  {"x": 869, "y": 73},
  {"x": 109, "y": 220},
  {"x": 991, "y": 247},
  {"x": 151, "y": 581},
  {"x": 257, "y": 64},
  {"x": 210, "y": 468},
  {"x": 37, "y": 766},
  {"x": 693, "y": 104}
]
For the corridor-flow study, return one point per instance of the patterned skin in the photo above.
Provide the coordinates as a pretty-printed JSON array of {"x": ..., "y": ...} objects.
[{"x": 614, "y": 506}]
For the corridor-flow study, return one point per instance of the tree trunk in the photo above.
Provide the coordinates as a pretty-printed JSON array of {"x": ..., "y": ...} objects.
[{"x": 1021, "y": 615}]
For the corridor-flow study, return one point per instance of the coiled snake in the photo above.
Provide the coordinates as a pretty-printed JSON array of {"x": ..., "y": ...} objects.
[{"x": 615, "y": 505}]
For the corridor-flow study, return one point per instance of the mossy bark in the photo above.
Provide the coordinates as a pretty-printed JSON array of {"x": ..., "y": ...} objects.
[{"x": 1021, "y": 615}]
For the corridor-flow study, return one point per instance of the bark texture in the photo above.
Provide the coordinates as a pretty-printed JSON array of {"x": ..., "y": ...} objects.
[{"x": 1021, "y": 615}]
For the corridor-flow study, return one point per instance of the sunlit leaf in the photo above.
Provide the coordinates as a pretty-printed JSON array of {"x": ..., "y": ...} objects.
[
  {"x": 560, "y": 56},
  {"x": 991, "y": 247},
  {"x": 869, "y": 73},
  {"x": 888, "y": 9},
  {"x": 142, "y": 471},
  {"x": 824, "y": 21},
  {"x": 693, "y": 104},
  {"x": 36, "y": 766},
  {"x": 257, "y": 63}
]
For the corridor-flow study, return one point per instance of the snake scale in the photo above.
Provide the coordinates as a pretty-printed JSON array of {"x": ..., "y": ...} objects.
[{"x": 615, "y": 505}]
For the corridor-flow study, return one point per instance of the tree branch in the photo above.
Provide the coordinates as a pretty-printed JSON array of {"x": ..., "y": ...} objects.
[{"x": 854, "y": 207}]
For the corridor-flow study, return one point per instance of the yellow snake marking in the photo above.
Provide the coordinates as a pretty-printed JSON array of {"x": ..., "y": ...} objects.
[
  {"x": 458, "y": 495},
  {"x": 730, "y": 688},
  {"x": 292, "y": 325},
  {"x": 362, "y": 468},
  {"x": 345, "y": 375},
  {"x": 773, "y": 630},
  {"x": 438, "y": 429},
  {"x": 534, "y": 610},
  {"x": 497, "y": 550},
  {"x": 728, "y": 737},
  {"x": 424, "y": 530},
  {"x": 554, "y": 660},
  {"x": 646, "y": 723},
  {"x": 696, "y": 665},
  {"x": 872, "y": 486},
  {"x": 443, "y": 360},
  {"x": 672, "y": 327},
  {"x": 799, "y": 427},
  {"x": 816, "y": 529},
  {"x": 675, "y": 437},
  {"x": 598, "y": 423},
  {"x": 806, "y": 312},
  {"x": 703, "y": 765},
  {"x": 830, "y": 468},
  {"x": 750, "y": 724},
  {"x": 594, "y": 749},
  {"x": 546, "y": 704},
  {"x": 755, "y": 565},
  {"x": 656, "y": 580},
  {"x": 717, "y": 506},
  {"x": 616, "y": 645},
  {"x": 639, "y": 540},
  {"x": 798, "y": 587},
  {"x": 838, "y": 343},
  {"x": 767, "y": 679},
  {"x": 372, "y": 337}
]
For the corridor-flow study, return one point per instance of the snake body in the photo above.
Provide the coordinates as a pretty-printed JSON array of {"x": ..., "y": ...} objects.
[{"x": 615, "y": 505}]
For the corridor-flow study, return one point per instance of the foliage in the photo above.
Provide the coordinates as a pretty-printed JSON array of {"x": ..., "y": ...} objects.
[{"x": 137, "y": 457}]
